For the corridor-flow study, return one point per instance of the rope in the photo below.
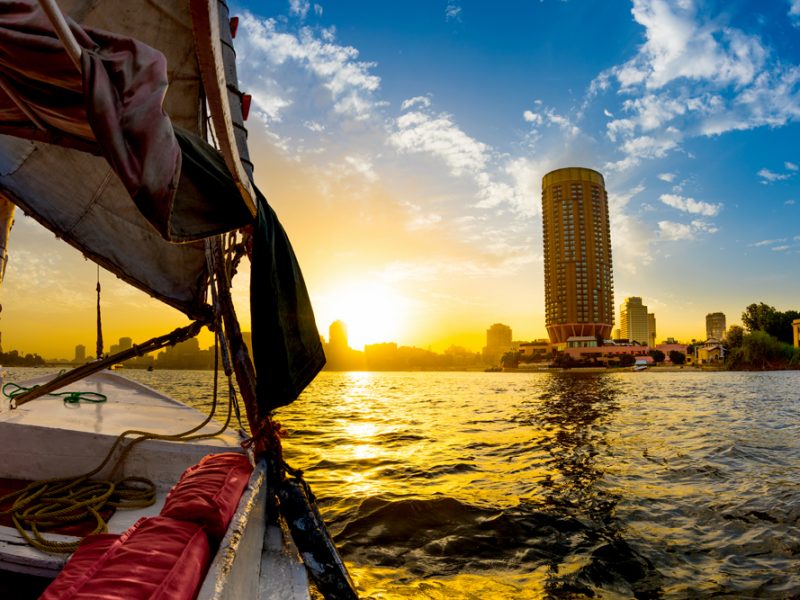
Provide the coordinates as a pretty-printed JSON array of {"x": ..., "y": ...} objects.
[
  {"x": 69, "y": 397},
  {"x": 63, "y": 500}
]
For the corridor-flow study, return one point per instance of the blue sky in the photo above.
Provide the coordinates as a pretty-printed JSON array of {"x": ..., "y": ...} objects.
[{"x": 428, "y": 126}]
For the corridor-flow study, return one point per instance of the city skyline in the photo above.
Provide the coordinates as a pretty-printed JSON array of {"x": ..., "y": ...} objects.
[{"x": 403, "y": 151}]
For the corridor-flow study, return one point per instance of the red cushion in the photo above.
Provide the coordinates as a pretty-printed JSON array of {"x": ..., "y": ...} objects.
[
  {"x": 156, "y": 559},
  {"x": 209, "y": 492}
]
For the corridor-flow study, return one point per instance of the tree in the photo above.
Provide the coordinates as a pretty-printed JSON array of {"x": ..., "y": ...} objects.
[
  {"x": 677, "y": 358},
  {"x": 759, "y": 317},
  {"x": 734, "y": 337},
  {"x": 761, "y": 350},
  {"x": 626, "y": 360},
  {"x": 762, "y": 317},
  {"x": 510, "y": 360},
  {"x": 658, "y": 356}
]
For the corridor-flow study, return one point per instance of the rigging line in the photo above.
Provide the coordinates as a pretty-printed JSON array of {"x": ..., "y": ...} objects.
[{"x": 99, "y": 354}]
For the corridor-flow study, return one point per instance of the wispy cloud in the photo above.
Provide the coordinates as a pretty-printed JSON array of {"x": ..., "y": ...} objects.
[
  {"x": 690, "y": 205},
  {"x": 362, "y": 166},
  {"x": 334, "y": 68},
  {"x": 768, "y": 176},
  {"x": 672, "y": 231},
  {"x": 452, "y": 11},
  {"x": 794, "y": 11},
  {"x": 668, "y": 177},
  {"x": 439, "y": 135},
  {"x": 767, "y": 242},
  {"x": 548, "y": 116},
  {"x": 790, "y": 166}
]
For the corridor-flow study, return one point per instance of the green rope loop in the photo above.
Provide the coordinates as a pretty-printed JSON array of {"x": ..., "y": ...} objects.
[{"x": 68, "y": 397}]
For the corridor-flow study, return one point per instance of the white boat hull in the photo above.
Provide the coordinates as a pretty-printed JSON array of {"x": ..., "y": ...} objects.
[{"x": 46, "y": 438}]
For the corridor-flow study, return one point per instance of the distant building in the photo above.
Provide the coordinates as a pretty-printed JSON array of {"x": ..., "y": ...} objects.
[
  {"x": 80, "y": 353},
  {"x": 498, "y": 342},
  {"x": 796, "y": 331},
  {"x": 651, "y": 330},
  {"x": 715, "y": 326},
  {"x": 125, "y": 343},
  {"x": 634, "y": 320},
  {"x": 578, "y": 280}
]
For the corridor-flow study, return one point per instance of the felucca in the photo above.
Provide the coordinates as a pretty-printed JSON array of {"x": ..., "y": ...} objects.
[{"x": 122, "y": 132}]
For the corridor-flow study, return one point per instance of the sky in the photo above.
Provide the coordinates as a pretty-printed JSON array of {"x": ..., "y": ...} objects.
[{"x": 403, "y": 145}]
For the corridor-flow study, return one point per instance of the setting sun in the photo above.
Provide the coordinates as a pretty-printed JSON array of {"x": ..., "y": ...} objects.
[{"x": 373, "y": 312}]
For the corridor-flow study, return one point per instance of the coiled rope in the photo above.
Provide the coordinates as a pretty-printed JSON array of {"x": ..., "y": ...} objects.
[{"x": 63, "y": 500}]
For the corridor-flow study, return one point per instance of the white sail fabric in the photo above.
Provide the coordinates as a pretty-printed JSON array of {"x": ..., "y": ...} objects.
[{"x": 78, "y": 196}]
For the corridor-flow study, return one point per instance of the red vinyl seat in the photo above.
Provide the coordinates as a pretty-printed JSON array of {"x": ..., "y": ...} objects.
[
  {"x": 156, "y": 559},
  {"x": 209, "y": 492}
]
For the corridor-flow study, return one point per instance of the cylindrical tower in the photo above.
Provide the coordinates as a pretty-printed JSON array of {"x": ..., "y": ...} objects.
[{"x": 578, "y": 278}]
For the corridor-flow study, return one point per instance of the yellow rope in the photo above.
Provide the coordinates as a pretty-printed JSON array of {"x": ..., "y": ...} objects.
[{"x": 62, "y": 500}]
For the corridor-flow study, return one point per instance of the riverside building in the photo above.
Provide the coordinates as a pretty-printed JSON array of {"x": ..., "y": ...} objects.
[
  {"x": 715, "y": 326},
  {"x": 578, "y": 279},
  {"x": 636, "y": 323}
]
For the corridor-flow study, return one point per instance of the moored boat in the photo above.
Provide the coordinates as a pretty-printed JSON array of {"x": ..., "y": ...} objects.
[{"x": 122, "y": 131}]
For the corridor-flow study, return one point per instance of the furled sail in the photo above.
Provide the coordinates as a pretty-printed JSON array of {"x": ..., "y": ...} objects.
[
  {"x": 82, "y": 143},
  {"x": 110, "y": 155}
]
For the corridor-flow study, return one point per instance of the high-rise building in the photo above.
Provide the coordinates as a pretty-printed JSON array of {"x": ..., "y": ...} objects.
[
  {"x": 498, "y": 342},
  {"x": 578, "y": 279},
  {"x": 337, "y": 336},
  {"x": 80, "y": 353},
  {"x": 634, "y": 320},
  {"x": 715, "y": 325},
  {"x": 651, "y": 330}
]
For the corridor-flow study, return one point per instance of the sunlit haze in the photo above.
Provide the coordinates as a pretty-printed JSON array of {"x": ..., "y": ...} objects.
[{"x": 403, "y": 145}]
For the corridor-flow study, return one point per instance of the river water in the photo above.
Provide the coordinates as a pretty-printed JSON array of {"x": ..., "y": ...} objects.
[{"x": 536, "y": 485}]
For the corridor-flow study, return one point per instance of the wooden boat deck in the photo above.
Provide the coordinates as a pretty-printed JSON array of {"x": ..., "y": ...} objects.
[{"x": 47, "y": 438}]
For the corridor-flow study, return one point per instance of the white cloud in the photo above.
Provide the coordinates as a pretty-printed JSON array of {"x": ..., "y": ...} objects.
[
  {"x": 768, "y": 176},
  {"x": 362, "y": 166},
  {"x": 421, "y": 101},
  {"x": 690, "y": 205},
  {"x": 679, "y": 46},
  {"x": 780, "y": 248},
  {"x": 630, "y": 236},
  {"x": 299, "y": 8},
  {"x": 452, "y": 12},
  {"x": 789, "y": 202},
  {"x": 794, "y": 8},
  {"x": 314, "y": 126},
  {"x": 698, "y": 76},
  {"x": 790, "y": 166},
  {"x": 668, "y": 177},
  {"x": 767, "y": 242},
  {"x": 672, "y": 231},
  {"x": 440, "y": 136},
  {"x": 532, "y": 117},
  {"x": 421, "y": 219},
  {"x": 264, "y": 49}
]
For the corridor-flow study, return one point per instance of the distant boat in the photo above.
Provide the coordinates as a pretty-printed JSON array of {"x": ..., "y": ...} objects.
[{"x": 640, "y": 365}]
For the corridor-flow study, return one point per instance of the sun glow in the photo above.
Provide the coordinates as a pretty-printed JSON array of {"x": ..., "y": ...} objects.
[{"x": 372, "y": 312}]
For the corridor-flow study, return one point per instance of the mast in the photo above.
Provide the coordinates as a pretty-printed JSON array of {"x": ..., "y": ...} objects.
[{"x": 6, "y": 221}]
